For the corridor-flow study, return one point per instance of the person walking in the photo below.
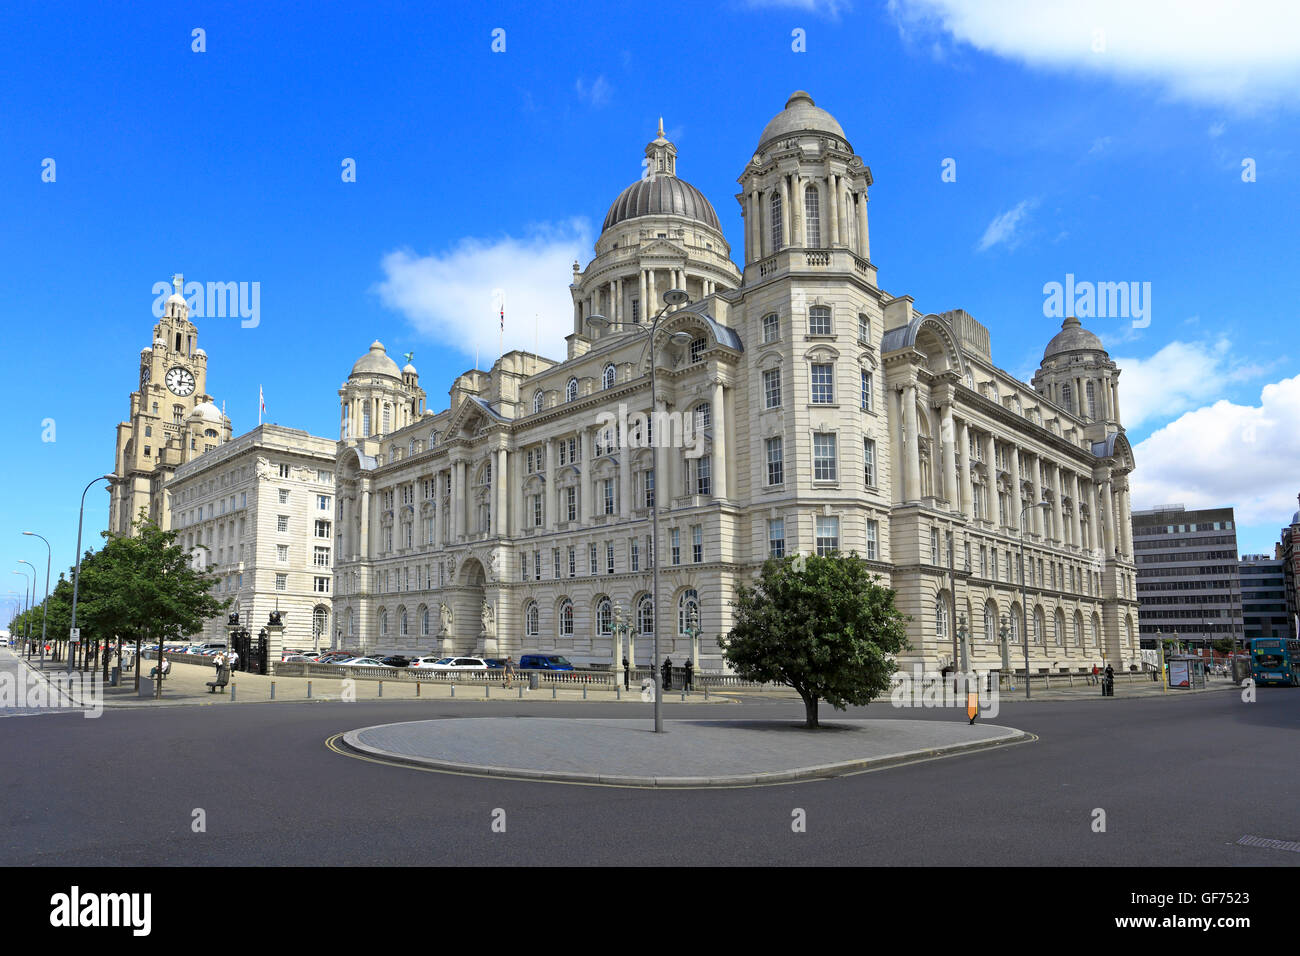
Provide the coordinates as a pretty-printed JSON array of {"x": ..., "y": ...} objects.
[
  {"x": 668, "y": 673},
  {"x": 510, "y": 670},
  {"x": 233, "y": 659},
  {"x": 688, "y": 680},
  {"x": 1094, "y": 673}
]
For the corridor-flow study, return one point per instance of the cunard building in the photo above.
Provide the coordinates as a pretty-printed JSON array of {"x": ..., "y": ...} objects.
[{"x": 814, "y": 411}]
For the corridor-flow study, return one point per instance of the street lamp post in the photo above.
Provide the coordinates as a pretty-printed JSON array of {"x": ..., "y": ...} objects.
[
  {"x": 76, "y": 576},
  {"x": 32, "y": 604},
  {"x": 27, "y": 624},
  {"x": 45, "y": 605},
  {"x": 673, "y": 297},
  {"x": 1024, "y": 600},
  {"x": 1003, "y": 632}
]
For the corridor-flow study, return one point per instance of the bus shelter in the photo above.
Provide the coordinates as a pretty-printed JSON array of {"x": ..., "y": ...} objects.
[{"x": 1186, "y": 672}]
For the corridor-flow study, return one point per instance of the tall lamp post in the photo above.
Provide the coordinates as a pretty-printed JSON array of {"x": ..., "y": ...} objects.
[
  {"x": 27, "y": 586},
  {"x": 672, "y": 298},
  {"x": 1024, "y": 600},
  {"x": 32, "y": 603},
  {"x": 76, "y": 576}
]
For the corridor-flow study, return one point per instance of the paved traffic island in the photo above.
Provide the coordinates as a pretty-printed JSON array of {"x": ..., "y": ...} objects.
[{"x": 690, "y": 753}]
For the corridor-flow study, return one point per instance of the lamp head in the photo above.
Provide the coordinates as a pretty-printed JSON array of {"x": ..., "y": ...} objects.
[
  {"x": 680, "y": 338},
  {"x": 598, "y": 321},
  {"x": 676, "y": 297}
]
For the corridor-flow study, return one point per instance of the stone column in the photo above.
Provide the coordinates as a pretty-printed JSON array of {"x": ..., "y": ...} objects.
[
  {"x": 1125, "y": 521},
  {"x": 1076, "y": 521},
  {"x": 796, "y": 211},
  {"x": 1114, "y": 400},
  {"x": 786, "y": 215},
  {"x": 1036, "y": 482},
  {"x": 363, "y": 545},
  {"x": 625, "y": 480},
  {"x": 846, "y": 213},
  {"x": 963, "y": 476},
  {"x": 643, "y": 300},
  {"x": 947, "y": 434},
  {"x": 719, "y": 441},
  {"x": 1096, "y": 506},
  {"x": 500, "y": 516},
  {"x": 751, "y": 227},
  {"x": 911, "y": 447},
  {"x": 1108, "y": 519},
  {"x": 1058, "y": 520},
  {"x": 833, "y": 223},
  {"x": 991, "y": 469},
  {"x": 1013, "y": 462},
  {"x": 864, "y": 249},
  {"x": 653, "y": 307},
  {"x": 458, "y": 502},
  {"x": 552, "y": 487}
]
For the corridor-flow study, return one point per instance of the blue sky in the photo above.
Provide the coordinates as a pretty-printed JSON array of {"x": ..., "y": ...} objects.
[{"x": 480, "y": 171}]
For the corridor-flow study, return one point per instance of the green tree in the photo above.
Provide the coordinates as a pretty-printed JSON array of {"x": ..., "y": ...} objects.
[{"x": 822, "y": 625}]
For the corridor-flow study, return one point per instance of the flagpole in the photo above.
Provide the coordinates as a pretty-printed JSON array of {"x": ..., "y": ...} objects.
[{"x": 501, "y": 336}]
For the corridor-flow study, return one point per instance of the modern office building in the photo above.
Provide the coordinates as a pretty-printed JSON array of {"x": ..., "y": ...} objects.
[
  {"x": 1263, "y": 596},
  {"x": 1188, "y": 578},
  {"x": 801, "y": 408},
  {"x": 259, "y": 512},
  {"x": 1288, "y": 550}
]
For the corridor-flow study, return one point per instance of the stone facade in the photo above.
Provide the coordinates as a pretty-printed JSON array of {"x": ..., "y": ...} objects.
[
  {"x": 259, "y": 511},
  {"x": 830, "y": 414}
]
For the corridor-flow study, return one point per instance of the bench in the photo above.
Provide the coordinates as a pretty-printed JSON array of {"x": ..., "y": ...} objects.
[{"x": 223, "y": 678}]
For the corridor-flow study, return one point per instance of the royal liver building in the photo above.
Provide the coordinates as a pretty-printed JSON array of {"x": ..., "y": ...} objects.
[{"x": 810, "y": 411}]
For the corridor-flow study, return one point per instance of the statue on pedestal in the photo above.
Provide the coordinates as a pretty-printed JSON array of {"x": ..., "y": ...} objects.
[{"x": 448, "y": 643}]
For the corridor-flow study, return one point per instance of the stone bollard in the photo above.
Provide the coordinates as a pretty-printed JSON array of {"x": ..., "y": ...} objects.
[
  {"x": 417, "y": 688},
  {"x": 584, "y": 691},
  {"x": 453, "y": 690},
  {"x": 553, "y": 694},
  {"x": 308, "y": 690},
  {"x": 683, "y": 697},
  {"x": 381, "y": 688},
  {"x": 521, "y": 691},
  {"x": 706, "y": 691},
  {"x": 487, "y": 690},
  {"x": 232, "y": 692}
]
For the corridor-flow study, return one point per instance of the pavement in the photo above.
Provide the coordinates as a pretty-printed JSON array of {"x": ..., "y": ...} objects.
[{"x": 689, "y": 753}]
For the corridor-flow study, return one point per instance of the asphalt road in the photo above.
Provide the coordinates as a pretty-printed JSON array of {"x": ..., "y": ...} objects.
[{"x": 1180, "y": 782}]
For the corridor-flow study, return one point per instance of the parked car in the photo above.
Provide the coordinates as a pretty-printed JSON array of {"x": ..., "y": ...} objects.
[
  {"x": 426, "y": 663},
  {"x": 295, "y": 659},
  {"x": 360, "y": 662},
  {"x": 495, "y": 663},
  {"x": 544, "y": 662},
  {"x": 396, "y": 660},
  {"x": 461, "y": 664}
]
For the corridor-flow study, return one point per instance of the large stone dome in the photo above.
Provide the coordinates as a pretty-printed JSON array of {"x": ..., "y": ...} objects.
[
  {"x": 661, "y": 195},
  {"x": 376, "y": 362},
  {"x": 1073, "y": 337},
  {"x": 801, "y": 115}
]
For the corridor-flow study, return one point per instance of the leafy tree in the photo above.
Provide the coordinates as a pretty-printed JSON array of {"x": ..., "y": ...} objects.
[{"x": 822, "y": 625}]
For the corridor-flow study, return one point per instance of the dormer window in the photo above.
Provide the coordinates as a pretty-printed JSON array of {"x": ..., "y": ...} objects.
[
  {"x": 571, "y": 390},
  {"x": 607, "y": 379},
  {"x": 697, "y": 350}
]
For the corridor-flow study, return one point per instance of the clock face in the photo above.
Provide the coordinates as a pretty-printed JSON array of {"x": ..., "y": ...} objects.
[{"x": 179, "y": 380}]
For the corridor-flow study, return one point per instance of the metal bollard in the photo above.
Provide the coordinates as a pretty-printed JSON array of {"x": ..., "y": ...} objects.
[
  {"x": 618, "y": 693},
  {"x": 584, "y": 691},
  {"x": 706, "y": 691},
  {"x": 309, "y": 689},
  {"x": 232, "y": 691},
  {"x": 521, "y": 691},
  {"x": 453, "y": 690},
  {"x": 273, "y": 690},
  {"x": 417, "y": 688},
  {"x": 381, "y": 688},
  {"x": 487, "y": 690},
  {"x": 552, "y": 692}
]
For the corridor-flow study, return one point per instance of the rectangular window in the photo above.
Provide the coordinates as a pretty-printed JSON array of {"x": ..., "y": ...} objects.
[
  {"x": 537, "y": 511},
  {"x": 323, "y": 502},
  {"x": 591, "y": 559},
  {"x": 984, "y": 561},
  {"x": 523, "y": 567},
  {"x": 650, "y": 488},
  {"x": 866, "y": 390},
  {"x": 321, "y": 557},
  {"x": 776, "y": 538},
  {"x": 823, "y": 384},
  {"x": 282, "y": 581},
  {"x": 537, "y": 565},
  {"x": 771, "y": 327},
  {"x": 869, "y": 461},
  {"x": 772, "y": 388},
  {"x": 322, "y": 529},
  {"x": 697, "y": 543},
  {"x": 322, "y": 586},
  {"x": 555, "y": 562},
  {"x": 573, "y": 562},
  {"x": 609, "y": 496},
  {"x": 284, "y": 499},
  {"x": 934, "y": 545},
  {"x": 676, "y": 540},
  {"x": 704, "y": 475},
  {"x": 282, "y": 553},
  {"x": 284, "y": 471},
  {"x": 828, "y": 534},
  {"x": 824, "y": 463},
  {"x": 873, "y": 532},
  {"x": 819, "y": 320},
  {"x": 636, "y": 554},
  {"x": 864, "y": 329},
  {"x": 324, "y": 476},
  {"x": 609, "y": 557},
  {"x": 775, "y": 462}
]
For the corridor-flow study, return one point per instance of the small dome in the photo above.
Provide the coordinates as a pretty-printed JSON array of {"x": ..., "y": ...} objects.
[
  {"x": 409, "y": 369},
  {"x": 1073, "y": 337},
  {"x": 801, "y": 115},
  {"x": 661, "y": 195},
  {"x": 207, "y": 412},
  {"x": 201, "y": 352},
  {"x": 376, "y": 361}
]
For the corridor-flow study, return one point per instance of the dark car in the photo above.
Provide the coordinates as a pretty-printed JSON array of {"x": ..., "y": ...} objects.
[
  {"x": 397, "y": 660},
  {"x": 544, "y": 662},
  {"x": 494, "y": 662}
]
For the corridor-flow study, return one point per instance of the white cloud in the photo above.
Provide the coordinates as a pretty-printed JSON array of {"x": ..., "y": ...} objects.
[
  {"x": 828, "y": 8},
  {"x": 1176, "y": 378},
  {"x": 454, "y": 297},
  {"x": 1225, "y": 454},
  {"x": 1241, "y": 55},
  {"x": 1002, "y": 230},
  {"x": 1216, "y": 130},
  {"x": 595, "y": 93}
]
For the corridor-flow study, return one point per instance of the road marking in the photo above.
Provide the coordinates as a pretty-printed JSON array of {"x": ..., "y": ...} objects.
[{"x": 1267, "y": 844}]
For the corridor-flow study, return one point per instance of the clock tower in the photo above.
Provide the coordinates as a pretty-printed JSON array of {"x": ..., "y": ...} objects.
[{"x": 172, "y": 419}]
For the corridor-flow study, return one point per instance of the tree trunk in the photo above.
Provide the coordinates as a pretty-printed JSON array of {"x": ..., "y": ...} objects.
[{"x": 810, "y": 709}]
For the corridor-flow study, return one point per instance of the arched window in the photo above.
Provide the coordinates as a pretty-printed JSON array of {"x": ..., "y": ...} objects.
[
  {"x": 352, "y": 624},
  {"x": 538, "y": 398},
  {"x": 990, "y": 623},
  {"x": 410, "y": 448},
  {"x": 703, "y": 416},
  {"x": 771, "y": 327},
  {"x": 645, "y": 615},
  {"x": 401, "y": 621},
  {"x": 320, "y": 621},
  {"x": 778, "y": 235},
  {"x": 1078, "y": 630},
  {"x": 1067, "y": 397},
  {"x": 1096, "y": 632},
  {"x": 566, "y": 618},
  {"x": 688, "y": 607},
  {"x": 383, "y": 623},
  {"x": 531, "y": 619},
  {"x": 604, "y": 617},
  {"x": 1092, "y": 399},
  {"x": 1040, "y": 626},
  {"x": 607, "y": 378},
  {"x": 941, "y": 615},
  {"x": 1058, "y": 629},
  {"x": 433, "y": 438},
  {"x": 571, "y": 390},
  {"x": 424, "y": 622},
  {"x": 1014, "y": 625},
  {"x": 812, "y": 218}
]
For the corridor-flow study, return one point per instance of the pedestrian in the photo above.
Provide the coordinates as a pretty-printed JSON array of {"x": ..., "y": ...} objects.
[
  {"x": 1110, "y": 681},
  {"x": 219, "y": 661},
  {"x": 510, "y": 670},
  {"x": 233, "y": 659},
  {"x": 627, "y": 674},
  {"x": 688, "y": 681},
  {"x": 668, "y": 673},
  {"x": 1094, "y": 673}
]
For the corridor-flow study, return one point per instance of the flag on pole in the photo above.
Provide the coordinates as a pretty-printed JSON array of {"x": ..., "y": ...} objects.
[{"x": 261, "y": 404}]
